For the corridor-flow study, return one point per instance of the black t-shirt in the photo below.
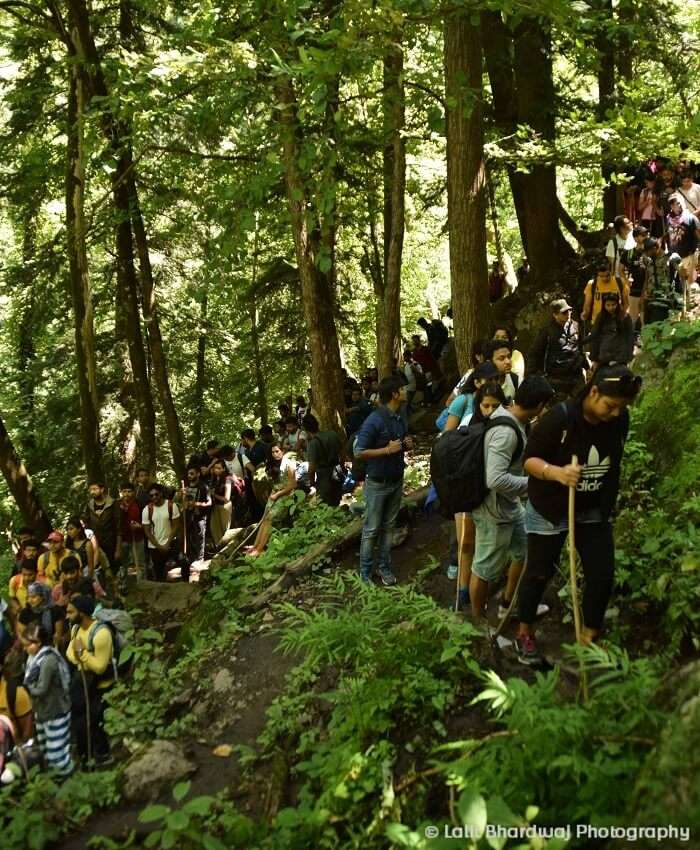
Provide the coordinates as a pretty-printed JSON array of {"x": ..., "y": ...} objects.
[
  {"x": 638, "y": 272},
  {"x": 258, "y": 453},
  {"x": 563, "y": 432},
  {"x": 199, "y": 493}
]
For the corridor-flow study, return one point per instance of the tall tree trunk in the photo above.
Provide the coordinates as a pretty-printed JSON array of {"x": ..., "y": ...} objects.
[
  {"x": 148, "y": 290},
  {"x": 389, "y": 336},
  {"x": 81, "y": 292},
  {"x": 20, "y": 486},
  {"x": 497, "y": 42},
  {"x": 155, "y": 339},
  {"x": 260, "y": 383},
  {"x": 316, "y": 295},
  {"x": 200, "y": 377},
  {"x": 536, "y": 107},
  {"x": 82, "y": 45},
  {"x": 466, "y": 183},
  {"x": 26, "y": 350},
  {"x": 605, "y": 48}
]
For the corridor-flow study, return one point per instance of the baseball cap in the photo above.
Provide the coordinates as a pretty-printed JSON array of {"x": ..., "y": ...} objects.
[
  {"x": 560, "y": 305},
  {"x": 55, "y": 537}
]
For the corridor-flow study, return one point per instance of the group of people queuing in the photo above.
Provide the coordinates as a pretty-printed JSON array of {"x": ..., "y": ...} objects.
[{"x": 529, "y": 429}]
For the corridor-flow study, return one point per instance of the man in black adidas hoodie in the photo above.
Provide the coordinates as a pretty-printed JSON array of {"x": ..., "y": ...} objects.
[{"x": 593, "y": 427}]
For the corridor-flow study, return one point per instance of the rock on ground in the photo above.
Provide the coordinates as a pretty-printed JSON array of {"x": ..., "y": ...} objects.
[
  {"x": 155, "y": 769},
  {"x": 177, "y": 596}
]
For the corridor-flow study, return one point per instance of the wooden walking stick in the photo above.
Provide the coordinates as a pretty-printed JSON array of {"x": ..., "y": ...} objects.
[
  {"x": 460, "y": 538},
  {"x": 184, "y": 520},
  {"x": 572, "y": 574}
]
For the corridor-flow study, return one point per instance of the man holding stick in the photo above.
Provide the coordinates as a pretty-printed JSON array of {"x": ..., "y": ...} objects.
[{"x": 591, "y": 428}]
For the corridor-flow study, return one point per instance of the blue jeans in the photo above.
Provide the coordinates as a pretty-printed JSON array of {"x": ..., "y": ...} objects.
[{"x": 382, "y": 504}]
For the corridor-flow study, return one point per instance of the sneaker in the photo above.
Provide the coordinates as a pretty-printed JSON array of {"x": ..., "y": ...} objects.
[
  {"x": 542, "y": 609},
  {"x": 452, "y": 571},
  {"x": 503, "y": 607},
  {"x": 526, "y": 647},
  {"x": 387, "y": 577}
]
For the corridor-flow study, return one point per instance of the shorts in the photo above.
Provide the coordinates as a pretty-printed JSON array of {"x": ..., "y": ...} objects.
[
  {"x": 495, "y": 541},
  {"x": 689, "y": 264}
]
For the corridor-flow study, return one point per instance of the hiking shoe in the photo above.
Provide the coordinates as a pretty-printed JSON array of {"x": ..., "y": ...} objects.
[
  {"x": 526, "y": 647},
  {"x": 542, "y": 609},
  {"x": 387, "y": 577},
  {"x": 452, "y": 571}
]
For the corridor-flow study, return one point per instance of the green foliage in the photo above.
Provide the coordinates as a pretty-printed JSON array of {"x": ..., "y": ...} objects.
[
  {"x": 37, "y": 813},
  {"x": 575, "y": 761},
  {"x": 661, "y": 338}
]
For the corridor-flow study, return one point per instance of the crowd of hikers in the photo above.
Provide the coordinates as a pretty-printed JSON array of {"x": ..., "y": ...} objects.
[{"x": 518, "y": 434}]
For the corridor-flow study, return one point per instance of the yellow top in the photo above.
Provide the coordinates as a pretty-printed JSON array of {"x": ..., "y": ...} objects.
[
  {"x": 97, "y": 661},
  {"x": 603, "y": 286},
  {"x": 49, "y": 566},
  {"x": 23, "y": 702}
]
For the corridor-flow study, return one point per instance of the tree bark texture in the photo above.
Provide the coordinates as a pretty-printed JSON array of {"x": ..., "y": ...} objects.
[
  {"x": 466, "y": 183},
  {"x": 20, "y": 486},
  {"x": 260, "y": 382},
  {"x": 200, "y": 376},
  {"x": 82, "y": 45},
  {"x": 316, "y": 294},
  {"x": 155, "y": 338},
  {"x": 536, "y": 107},
  {"x": 26, "y": 350},
  {"x": 389, "y": 336},
  {"x": 81, "y": 293},
  {"x": 605, "y": 49}
]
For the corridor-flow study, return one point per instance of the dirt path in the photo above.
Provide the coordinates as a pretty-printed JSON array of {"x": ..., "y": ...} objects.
[{"x": 238, "y": 688}]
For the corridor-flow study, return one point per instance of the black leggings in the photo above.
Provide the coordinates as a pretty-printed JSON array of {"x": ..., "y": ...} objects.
[{"x": 595, "y": 545}]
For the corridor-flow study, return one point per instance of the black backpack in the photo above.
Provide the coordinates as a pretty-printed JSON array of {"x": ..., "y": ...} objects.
[{"x": 457, "y": 465}]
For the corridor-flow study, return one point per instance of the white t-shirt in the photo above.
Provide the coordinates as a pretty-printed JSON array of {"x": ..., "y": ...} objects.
[
  {"x": 626, "y": 244},
  {"x": 233, "y": 467},
  {"x": 508, "y": 387},
  {"x": 691, "y": 201},
  {"x": 161, "y": 521}
]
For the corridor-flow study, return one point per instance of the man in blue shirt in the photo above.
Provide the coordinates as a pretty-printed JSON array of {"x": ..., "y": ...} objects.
[{"x": 381, "y": 442}]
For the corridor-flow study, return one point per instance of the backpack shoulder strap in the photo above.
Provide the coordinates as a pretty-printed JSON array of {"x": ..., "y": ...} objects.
[
  {"x": 97, "y": 625},
  {"x": 508, "y": 422},
  {"x": 150, "y": 512},
  {"x": 170, "y": 509}
]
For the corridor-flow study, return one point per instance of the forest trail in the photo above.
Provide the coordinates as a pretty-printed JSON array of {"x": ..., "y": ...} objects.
[{"x": 235, "y": 690}]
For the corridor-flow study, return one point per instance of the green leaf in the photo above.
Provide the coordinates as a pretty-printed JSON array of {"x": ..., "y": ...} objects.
[
  {"x": 168, "y": 840},
  {"x": 472, "y": 810},
  {"x": 181, "y": 790},
  {"x": 212, "y": 843},
  {"x": 199, "y": 806},
  {"x": 531, "y": 812},
  {"x": 153, "y": 813},
  {"x": 177, "y": 821}
]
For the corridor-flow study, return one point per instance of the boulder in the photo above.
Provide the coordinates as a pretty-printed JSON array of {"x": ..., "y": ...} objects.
[
  {"x": 176, "y": 597},
  {"x": 223, "y": 681},
  {"x": 159, "y": 766}
]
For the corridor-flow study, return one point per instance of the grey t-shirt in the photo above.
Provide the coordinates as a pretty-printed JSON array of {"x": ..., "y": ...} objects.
[{"x": 505, "y": 478}]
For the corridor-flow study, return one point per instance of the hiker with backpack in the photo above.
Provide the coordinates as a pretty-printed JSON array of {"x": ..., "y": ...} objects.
[
  {"x": 325, "y": 458},
  {"x": 463, "y": 405},
  {"x": 196, "y": 509},
  {"x": 592, "y": 428},
  {"x": 91, "y": 652},
  {"x": 222, "y": 493},
  {"x": 49, "y": 563},
  {"x": 619, "y": 248},
  {"x": 381, "y": 442},
  {"x": 161, "y": 522},
  {"x": 85, "y": 548},
  {"x": 47, "y": 679},
  {"x": 103, "y": 515},
  {"x": 500, "y": 519},
  {"x": 556, "y": 353},
  {"x": 613, "y": 335},
  {"x": 604, "y": 281},
  {"x": 487, "y": 399},
  {"x": 132, "y": 537}
]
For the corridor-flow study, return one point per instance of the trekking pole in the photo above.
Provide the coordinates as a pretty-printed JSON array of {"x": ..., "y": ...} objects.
[
  {"x": 460, "y": 538},
  {"x": 184, "y": 522},
  {"x": 572, "y": 575},
  {"x": 88, "y": 724}
]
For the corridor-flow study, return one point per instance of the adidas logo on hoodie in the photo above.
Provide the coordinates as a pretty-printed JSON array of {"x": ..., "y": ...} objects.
[{"x": 593, "y": 473}]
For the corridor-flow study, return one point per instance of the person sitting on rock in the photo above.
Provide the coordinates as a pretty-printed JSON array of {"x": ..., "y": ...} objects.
[{"x": 282, "y": 470}]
